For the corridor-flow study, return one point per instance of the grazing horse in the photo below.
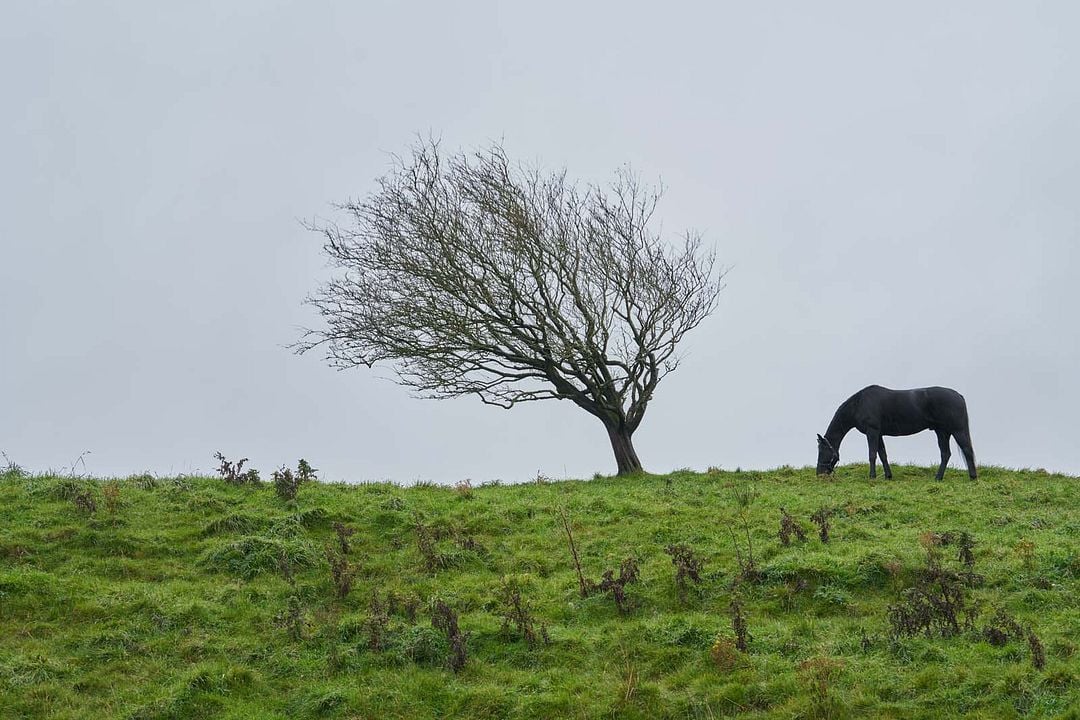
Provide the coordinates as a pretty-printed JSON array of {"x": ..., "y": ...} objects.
[{"x": 876, "y": 411}]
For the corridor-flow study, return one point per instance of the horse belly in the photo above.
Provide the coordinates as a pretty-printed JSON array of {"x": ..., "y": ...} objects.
[{"x": 904, "y": 430}]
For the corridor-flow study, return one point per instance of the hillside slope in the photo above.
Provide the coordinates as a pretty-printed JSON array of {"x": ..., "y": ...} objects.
[{"x": 190, "y": 597}]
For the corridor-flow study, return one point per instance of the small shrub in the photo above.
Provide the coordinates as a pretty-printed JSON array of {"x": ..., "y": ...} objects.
[
  {"x": 444, "y": 618},
  {"x": 403, "y": 604},
  {"x": 1038, "y": 654},
  {"x": 286, "y": 485},
  {"x": 688, "y": 566},
  {"x": 517, "y": 611},
  {"x": 616, "y": 586},
  {"x": 739, "y": 626},
  {"x": 430, "y": 556},
  {"x": 965, "y": 544},
  {"x": 821, "y": 519},
  {"x": 285, "y": 567},
  {"x": 464, "y": 489},
  {"x": 84, "y": 501},
  {"x": 744, "y": 496},
  {"x": 304, "y": 471},
  {"x": 343, "y": 533},
  {"x": 585, "y": 587},
  {"x": 377, "y": 623},
  {"x": 790, "y": 526},
  {"x": 342, "y": 573},
  {"x": 937, "y": 604},
  {"x": 292, "y": 619},
  {"x": 1001, "y": 628},
  {"x": 233, "y": 473}
]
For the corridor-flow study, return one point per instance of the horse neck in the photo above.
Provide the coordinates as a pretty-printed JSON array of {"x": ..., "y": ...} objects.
[{"x": 841, "y": 423}]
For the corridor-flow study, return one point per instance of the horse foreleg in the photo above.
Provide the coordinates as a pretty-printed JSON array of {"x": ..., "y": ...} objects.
[
  {"x": 872, "y": 439},
  {"x": 943, "y": 445},
  {"x": 963, "y": 439},
  {"x": 884, "y": 458}
]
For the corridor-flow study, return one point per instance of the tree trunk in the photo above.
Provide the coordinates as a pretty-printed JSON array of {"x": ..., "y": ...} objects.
[{"x": 623, "y": 447}]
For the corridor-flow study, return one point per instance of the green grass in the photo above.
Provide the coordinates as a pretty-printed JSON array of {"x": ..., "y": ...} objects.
[{"x": 174, "y": 605}]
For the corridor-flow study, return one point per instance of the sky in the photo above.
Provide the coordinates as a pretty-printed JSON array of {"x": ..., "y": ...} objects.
[{"x": 893, "y": 186}]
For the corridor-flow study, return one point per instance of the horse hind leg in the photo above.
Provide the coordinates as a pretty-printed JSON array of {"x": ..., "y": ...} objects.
[
  {"x": 963, "y": 439},
  {"x": 884, "y": 458},
  {"x": 943, "y": 445}
]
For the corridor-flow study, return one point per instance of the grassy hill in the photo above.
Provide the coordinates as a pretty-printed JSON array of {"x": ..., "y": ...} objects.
[{"x": 194, "y": 598}]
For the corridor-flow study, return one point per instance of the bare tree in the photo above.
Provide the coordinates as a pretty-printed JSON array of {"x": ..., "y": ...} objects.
[{"x": 473, "y": 275}]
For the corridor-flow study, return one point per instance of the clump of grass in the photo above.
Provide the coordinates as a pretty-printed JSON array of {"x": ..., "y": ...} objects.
[
  {"x": 688, "y": 567},
  {"x": 10, "y": 470},
  {"x": 724, "y": 654},
  {"x": 616, "y": 586},
  {"x": 110, "y": 493},
  {"x": 235, "y": 523},
  {"x": 1025, "y": 549},
  {"x": 818, "y": 675},
  {"x": 253, "y": 555},
  {"x": 790, "y": 526},
  {"x": 233, "y": 472},
  {"x": 464, "y": 489},
  {"x": 445, "y": 619},
  {"x": 821, "y": 519},
  {"x": 467, "y": 542}
]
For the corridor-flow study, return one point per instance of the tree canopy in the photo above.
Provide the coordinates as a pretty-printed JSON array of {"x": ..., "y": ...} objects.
[{"x": 473, "y": 275}]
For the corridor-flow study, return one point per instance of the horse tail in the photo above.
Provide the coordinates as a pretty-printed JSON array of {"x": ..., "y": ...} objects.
[{"x": 963, "y": 437}]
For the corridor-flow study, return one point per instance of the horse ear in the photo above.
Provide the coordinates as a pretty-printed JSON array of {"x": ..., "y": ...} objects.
[{"x": 820, "y": 439}]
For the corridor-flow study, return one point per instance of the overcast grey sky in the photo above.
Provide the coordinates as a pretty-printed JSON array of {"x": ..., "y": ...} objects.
[{"x": 895, "y": 185}]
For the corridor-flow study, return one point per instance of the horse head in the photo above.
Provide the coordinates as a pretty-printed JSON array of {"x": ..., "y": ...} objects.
[{"x": 827, "y": 456}]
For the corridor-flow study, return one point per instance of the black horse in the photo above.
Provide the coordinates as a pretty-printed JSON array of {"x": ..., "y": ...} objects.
[{"x": 876, "y": 411}]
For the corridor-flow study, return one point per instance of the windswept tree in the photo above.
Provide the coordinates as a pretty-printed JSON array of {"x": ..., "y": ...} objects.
[{"x": 473, "y": 275}]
